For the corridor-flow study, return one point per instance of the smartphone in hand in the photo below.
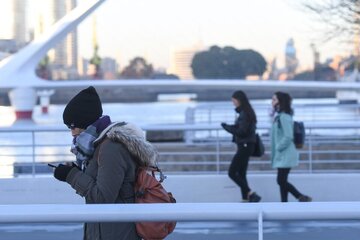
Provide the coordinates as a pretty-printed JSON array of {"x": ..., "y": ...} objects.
[{"x": 51, "y": 165}]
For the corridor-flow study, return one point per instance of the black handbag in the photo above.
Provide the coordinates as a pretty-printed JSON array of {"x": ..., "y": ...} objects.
[{"x": 259, "y": 149}]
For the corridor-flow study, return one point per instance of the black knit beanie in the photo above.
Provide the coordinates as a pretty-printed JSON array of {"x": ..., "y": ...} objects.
[{"x": 83, "y": 109}]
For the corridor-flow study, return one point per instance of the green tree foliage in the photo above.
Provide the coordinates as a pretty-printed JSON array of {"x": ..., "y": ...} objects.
[
  {"x": 227, "y": 63},
  {"x": 138, "y": 68},
  {"x": 96, "y": 61},
  {"x": 43, "y": 68}
]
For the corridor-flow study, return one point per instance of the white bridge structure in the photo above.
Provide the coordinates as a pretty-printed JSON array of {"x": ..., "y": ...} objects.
[{"x": 18, "y": 77}]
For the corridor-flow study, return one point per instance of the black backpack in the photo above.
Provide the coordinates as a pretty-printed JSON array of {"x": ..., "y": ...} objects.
[{"x": 299, "y": 133}]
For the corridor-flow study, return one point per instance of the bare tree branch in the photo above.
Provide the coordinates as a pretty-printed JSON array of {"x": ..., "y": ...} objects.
[{"x": 341, "y": 17}]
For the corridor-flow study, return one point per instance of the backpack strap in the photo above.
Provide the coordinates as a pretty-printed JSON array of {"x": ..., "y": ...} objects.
[
  {"x": 153, "y": 170},
  {"x": 277, "y": 119}
]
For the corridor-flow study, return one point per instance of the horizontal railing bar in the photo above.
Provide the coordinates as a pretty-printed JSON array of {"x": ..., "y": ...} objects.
[
  {"x": 188, "y": 153},
  {"x": 221, "y": 106},
  {"x": 333, "y": 161},
  {"x": 189, "y": 163},
  {"x": 204, "y": 127},
  {"x": 333, "y": 151},
  {"x": 37, "y": 155},
  {"x": 178, "y": 212}
]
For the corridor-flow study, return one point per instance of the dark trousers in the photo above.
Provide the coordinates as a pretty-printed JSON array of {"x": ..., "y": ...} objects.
[
  {"x": 285, "y": 186},
  {"x": 239, "y": 165}
]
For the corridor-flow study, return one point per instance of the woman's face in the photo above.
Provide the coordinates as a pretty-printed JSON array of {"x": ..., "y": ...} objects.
[
  {"x": 274, "y": 101},
  {"x": 76, "y": 131},
  {"x": 236, "y": 102}
]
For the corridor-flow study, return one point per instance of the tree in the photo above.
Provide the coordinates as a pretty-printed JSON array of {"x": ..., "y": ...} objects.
[
  {"x": 320, "y": 73},
  {"x": 43, "y": 68},
  {"x": 95, "y": 61},
  {"x": 342, "y": 17},
  {"x": 227, "y": 63},
  {"x": 138, "y": 68},
  {"x": 164, "y": 76}
]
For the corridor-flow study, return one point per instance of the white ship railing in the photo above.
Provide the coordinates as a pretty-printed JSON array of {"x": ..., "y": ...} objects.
[{"x": 260, "y": 212}]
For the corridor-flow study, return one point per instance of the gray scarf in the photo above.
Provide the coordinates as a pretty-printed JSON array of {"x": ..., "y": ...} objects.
[{"x": 83, "y": 144}]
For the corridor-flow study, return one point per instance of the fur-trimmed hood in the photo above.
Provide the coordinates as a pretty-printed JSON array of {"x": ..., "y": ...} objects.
[{"x": 134, "y": 140}]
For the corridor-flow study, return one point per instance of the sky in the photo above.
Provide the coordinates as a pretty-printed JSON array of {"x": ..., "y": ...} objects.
[{"x": 154, "y": 28}]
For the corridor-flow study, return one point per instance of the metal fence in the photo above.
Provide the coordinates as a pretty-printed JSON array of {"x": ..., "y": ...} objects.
[
  {"x": 219, "y": 112},
  {"x": 199, "y": 148}
]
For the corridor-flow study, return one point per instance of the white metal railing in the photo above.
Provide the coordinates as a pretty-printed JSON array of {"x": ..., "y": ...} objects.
[
  {"x": 212, "y": 113},
  {"x": 326, "y": 143},
  {"x": 260, "y": 212},
  {"x": 31, "y": 148}
]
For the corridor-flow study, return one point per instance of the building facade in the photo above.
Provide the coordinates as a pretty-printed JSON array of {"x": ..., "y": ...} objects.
[
  {"x": 181, "y": 60},
  {"x": 64, "y": 56}
]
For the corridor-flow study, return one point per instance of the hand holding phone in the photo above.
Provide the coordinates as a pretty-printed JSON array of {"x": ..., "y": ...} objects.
[{"x": 51, "y": 165}]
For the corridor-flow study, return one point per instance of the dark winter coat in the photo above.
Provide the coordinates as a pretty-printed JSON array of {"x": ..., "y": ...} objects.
[
  {"x": 243, "y": 130},
  {"x": 110, "y": 175}
]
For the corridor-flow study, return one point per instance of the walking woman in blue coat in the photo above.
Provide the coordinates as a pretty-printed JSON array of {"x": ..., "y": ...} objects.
[
  {"x": 284, "y": 155},
  {"x": 243, "y": 131}
]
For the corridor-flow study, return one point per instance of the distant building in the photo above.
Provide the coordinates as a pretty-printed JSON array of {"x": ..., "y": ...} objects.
[
  {"x": 348, "y": 69},
  {"x": 110, "y": 68},
  {"x": 276, "y": 73},
  {"x": 83, "y": 66},
  {"x": 8, "y": 46},
  {"x": 273, "y": 70},
  {"x": 291, "y": 62},
  {"x": 181, "y": 60},
  {"x": 64, "y": 56},
  {"x": 316, "y": 55},
  {"x": 19, "y": 27},
  {"x": 13, "y": 16}
]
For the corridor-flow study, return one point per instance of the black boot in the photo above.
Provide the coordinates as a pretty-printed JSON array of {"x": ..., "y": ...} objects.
[{"x": 254, "y": 197}]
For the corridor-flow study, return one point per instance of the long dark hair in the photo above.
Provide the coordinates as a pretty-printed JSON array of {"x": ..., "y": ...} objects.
[
  {"x": 284, "y": 104},
  {"x": 245, "y": 105}
]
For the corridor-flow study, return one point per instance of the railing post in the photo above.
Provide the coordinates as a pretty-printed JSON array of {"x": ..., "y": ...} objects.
[
  {"x": 209, "y": 116},
  {"x": 217, "y": 152},
  {"x": 33, "y": 153},
  {"x": 209, "y": 121},
  {"x": 260, "y": 226},
  {"x": 310, "y": 152},
  {"x": 189, "y": 119}
]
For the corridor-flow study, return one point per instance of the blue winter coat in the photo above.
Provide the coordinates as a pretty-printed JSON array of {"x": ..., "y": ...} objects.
[{"x": 283, "y": 151}]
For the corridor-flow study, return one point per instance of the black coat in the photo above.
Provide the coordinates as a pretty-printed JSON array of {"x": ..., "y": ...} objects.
[{"x": 243, "y": 130}]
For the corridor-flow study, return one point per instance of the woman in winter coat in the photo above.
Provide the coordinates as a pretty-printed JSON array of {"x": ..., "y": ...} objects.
[
  {"x": 243, "y": 131},
  {"x": 107, "y": 155},
  {"x": 284, "y": 155}
]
